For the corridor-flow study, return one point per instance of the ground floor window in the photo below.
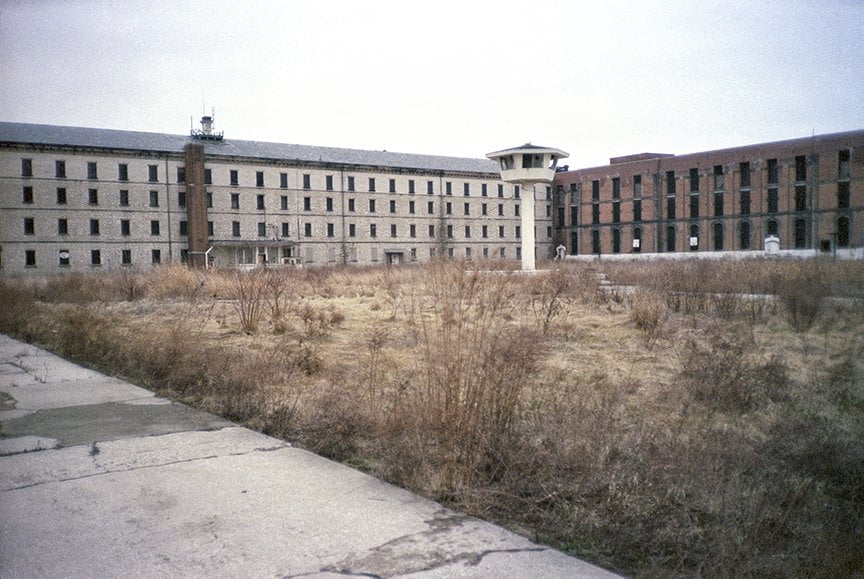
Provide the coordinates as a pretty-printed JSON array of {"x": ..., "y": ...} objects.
[
  {"x": 843, "y": 232},
  {"x": 744, "y": 235},
  {"x": 800, "y": 234},
  {"x": 670, "y": 238}
]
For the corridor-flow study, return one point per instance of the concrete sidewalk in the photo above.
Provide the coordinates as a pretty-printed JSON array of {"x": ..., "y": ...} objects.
[{"x": 101, "y": 478}]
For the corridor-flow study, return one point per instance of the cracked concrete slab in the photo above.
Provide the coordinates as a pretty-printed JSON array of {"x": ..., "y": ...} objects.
[
  {"x": 148, "y": 487},
  {"x": 41, "y": 395}
]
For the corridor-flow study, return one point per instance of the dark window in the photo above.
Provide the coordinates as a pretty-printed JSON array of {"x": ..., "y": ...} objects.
[
  {"x": 61, "y": 195},
  {"x": 233, "y": 177},
  {"x": 122, "y": 172},
  {"x": 694, "y": 180},
  {"x": 331, "y": 230},
  {"x": 800, "y": 234},
  {"x": 595, "y": 213},
  {"x": 392, "y": 230},
  {"x": 307, "y": 181},
  {"x": 259, "y": 178},
  {"x": 484, "y": 229},
  {"x": 670, "y": 238},
  {"x": 371, "y": 206},
  {"x": 595, "y": 242},
  {"x": 153, "y": 173},
  {"x": 574, "y": 243},
  {"x": 484, "y": 209},
  {"x": 124, "y": 227},
  {"x": 430, "y": 187},
  {"x": 235, "y": 228},
  {"x": 392, "y": 185},
  {"x": 616, "y": 187},
  {"x": 772, "y": 171},
  {"x": 373, "y": 230},
  {"x": 843, "y": 164},
  {"x": 431, "y": 231},
  {"x": 94, "y": 227},
  {"x": 500, "y": 190},
  {"x": 745, "y": 202},
  {"x": 154, "y": 227},
  {"x": 92, "y": 171},
  {"x": 500, "y": 231},
  {"x": 448, "y": 187},
  {"x": 126, "y": 256},
  {"x": 483, "y": 190},
  {"x": 412, "y": 230},
  {"x": 259, "y": 202},
  {"x": 283, "y": 180},
  {"x": 501, "y": 209},
  {"x": 800, "y": 197},
  {"x": 392, "y": 206},
  {"x": 430, "y": 207},
  {"x": 800, "y": 168},
  {"x": 184, "y": 228},
  {"x": 27, "y": 195},
  {"x": 637, "y": 211},
  {"x": 772, "y": 200},
  {"x": 371, "y": 184},
  {"x": 351, "y": 183},
  {"x": 286, "y": 229},
  {"x": 235, "y": 201},
  {"x": 30, "y": 258},
  {"x": 616, "y": 241},
  {"x": 694, "y": 207},
  {"x": 718, "y": 205},
  {"x": 467, "y": 231},
  {"x": 670, "y": 207},
  {"x": 124, "y": 197},
  {"x": 595, "y": 190},
  {"x": 771, "y": 227},
  {"x": 843, "y": 231},
  {"x": 637, "y": 186},
  {"x": 637, "y": 240},
  {"x": 307, "y": 229},
  {"x": 95, "y": 257},
  {"x": 516, "y": 210},
  {"x": 181, "y": 174},
  {"x": 449, "y": 208},
  {"x": 411, "y": 186},
  {"x": 328, "y": 203},
  {"x": 351, "y": 205},
  {"x": 62, "y": 227},
  {"x": 60, "y": 169},
  {"x": 210, "y": 229},
  {"x": 616, "y": 212},
  {"x": 744, "y": 235},
  {"x": 744, "y": 169},
  {"x": 181, "y": 199},
  {"x": 154, "y": 198},
  {"x": 328, "y": 181},
  {"x": 352, "y": 230},
  {"x": 718, "y": 237},
  {"x": 262, "y": 229},
  {"x": 411, "y": 207},
  {"x": 467, "y": 209},
  {"x": 208, "y": 176},
  {"x": 29, "y": 228},
  {"x": 574, "y": 214},
  {"x": 719, "y": 179},
  {"x": 466, "y": 189},
  {"x": 283, "y": 203},
  {"x": 670, "y": 182},
  {"x": 156, "y": 256},
  {"x": 307, "y": 204},
  {"x": 26, "y": 167},
  {"x": 843, "y": 195}
]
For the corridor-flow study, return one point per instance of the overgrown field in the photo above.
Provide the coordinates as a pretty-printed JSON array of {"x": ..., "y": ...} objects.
[{"x": 675, "y": 429}]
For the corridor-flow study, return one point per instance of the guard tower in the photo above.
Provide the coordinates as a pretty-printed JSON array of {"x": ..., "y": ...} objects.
[{"x": 527, "y": 166}]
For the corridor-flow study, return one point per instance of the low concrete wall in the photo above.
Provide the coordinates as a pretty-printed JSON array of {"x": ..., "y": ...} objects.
[{"x": 846, "y": 253}]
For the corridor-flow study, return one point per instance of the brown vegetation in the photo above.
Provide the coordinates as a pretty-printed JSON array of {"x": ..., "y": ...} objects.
[{"x": 682, "y": 428}]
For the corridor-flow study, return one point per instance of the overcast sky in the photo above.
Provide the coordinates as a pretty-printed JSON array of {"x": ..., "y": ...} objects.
[{"x": 461, "y": 78}]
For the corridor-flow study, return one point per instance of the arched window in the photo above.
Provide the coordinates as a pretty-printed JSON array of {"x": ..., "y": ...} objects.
[
  {"x": 744, "y": 235},
  {"x": 771, "y": 228},
  {"x": 718, "y": 237},
  {"x": 694, "y": 237},
  {"x": 843, "y": 232}
]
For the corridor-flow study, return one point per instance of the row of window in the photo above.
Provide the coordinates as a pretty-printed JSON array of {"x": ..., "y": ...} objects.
[
  {"x": 717, "y": 176},
  {"x": 64, "y": 257},
  {"x": 271, "y": 230},
  {"x": 234, "y": 179}
]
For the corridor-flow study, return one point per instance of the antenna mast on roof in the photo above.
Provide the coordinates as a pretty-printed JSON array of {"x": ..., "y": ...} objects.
[{"x": 206, "y": 133}]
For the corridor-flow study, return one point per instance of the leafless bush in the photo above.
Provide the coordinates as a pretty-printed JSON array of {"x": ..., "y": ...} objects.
[
  {"x": 249, "y": 292},
  {"x": 648, "y": 313},
  {"x": 549, "y": 296},
  {"x": 803, "y": 292}
]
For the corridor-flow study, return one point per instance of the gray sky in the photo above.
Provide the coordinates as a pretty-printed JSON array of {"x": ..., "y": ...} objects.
[{"x": 597, "y": 79}]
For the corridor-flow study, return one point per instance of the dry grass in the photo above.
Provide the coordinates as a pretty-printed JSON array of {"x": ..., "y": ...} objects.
[{"x": 679, "y": 430}]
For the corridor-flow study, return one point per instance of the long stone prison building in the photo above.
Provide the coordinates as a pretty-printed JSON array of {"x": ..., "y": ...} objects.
[{"x": 80, "y": 199}]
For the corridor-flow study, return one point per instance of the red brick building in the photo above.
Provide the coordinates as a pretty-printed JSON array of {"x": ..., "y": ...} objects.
[{"x": 807, "y": 192}]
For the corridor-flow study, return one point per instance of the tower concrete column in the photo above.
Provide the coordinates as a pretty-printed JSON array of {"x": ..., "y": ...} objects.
[{"x": 528, "y": 192}]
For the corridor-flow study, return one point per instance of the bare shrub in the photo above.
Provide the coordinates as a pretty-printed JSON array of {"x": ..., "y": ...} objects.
[
  {"x": 249, "y": 291},
  {"x": 19, "y": 308},
  {"x": 549, "y": 296},
  {"x": 648, "y": 313},
  {"x": 722, "y": 371},
  {"x": 318, "y": 322},
  {"x": 802, "y": 292},
  {"x": 175, "y": 280}
]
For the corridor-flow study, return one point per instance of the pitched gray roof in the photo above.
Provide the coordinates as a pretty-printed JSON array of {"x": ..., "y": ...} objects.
[{"x": 51, "y": 135}]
